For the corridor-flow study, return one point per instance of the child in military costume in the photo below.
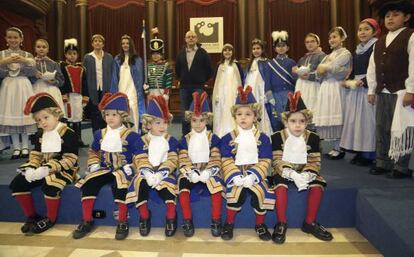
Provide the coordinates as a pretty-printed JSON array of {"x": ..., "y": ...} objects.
[
  {"x": 297, "y": 159},
  {"x": 156, "y": 167},
  {"x": 200, "y": 162},
  {"x": 245, "y": 166},
  {"x": 74, "y": 91},
  {"x": 109, "y": 162},
  {"x": 159, "y": 71},
  {"x": 52, "y": 164}
]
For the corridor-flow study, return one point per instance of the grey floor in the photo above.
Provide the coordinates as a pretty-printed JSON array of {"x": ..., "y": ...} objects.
[{"x": 340, "y": 174}]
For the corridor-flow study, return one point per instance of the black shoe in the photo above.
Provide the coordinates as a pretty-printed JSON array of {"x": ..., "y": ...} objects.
[
  {"x": 188, "y": 228},
  {"x": 364, "y": 162},
  {"x": 42, "y": 225},
  {"x": 170, "y": 227},
  {"x": 145, "y": 226},
  {"x": 83, "y": 229},
  {"x": 30, "y": 221},
  {"x": 279, "y": 233},
  {"x": 357, "y": 158},
  {"x": 262, "y": 232},
  {"x": 216, "y": 228},
  {"x": 378, "y": 171},
  {"x": 122, "y": 230},
  {"x": 336, "y": 155},
  {"x": 395, "y": 174},
  {"x": 227, "y": 232},
  {"x": 317, "y": 231},
  {"x": 24, "y": 153},
  {"x": 16, "y": 154}
]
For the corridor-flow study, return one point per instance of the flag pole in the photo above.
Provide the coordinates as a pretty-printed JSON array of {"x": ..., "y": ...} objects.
[{"x": 144, "y": 44}]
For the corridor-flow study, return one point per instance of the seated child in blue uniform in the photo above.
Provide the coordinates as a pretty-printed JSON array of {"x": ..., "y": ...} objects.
[
  {"x": 200, "y": 162},
  {"x": 156, "y": 166},
  {"x": 246, "y": 157},
  {"x": 109, "y": 162}
]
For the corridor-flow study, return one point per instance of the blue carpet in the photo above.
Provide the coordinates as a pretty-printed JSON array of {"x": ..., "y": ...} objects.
[{"x": 386, "y": 217}]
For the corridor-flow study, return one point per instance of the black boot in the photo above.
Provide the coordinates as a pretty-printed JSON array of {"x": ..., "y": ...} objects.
[
  {"x": 42, "y": 225},
  {"x": 30, "y": 221},
  {"x": 356, "y": 159},
  {"x": 170, "y": 227},
  {"x": 227, "y": 232},
  {"x": 262, "y": 232},
  {"x": 216, "y": 227},
  {"x": 83, "y": 229},
  {"x": 122, "y": 230},
  {"x": 378, "y": 171},
  {"x": 317, "y": 231},
  {"x": 188, "y": 228},
  {"x": 145, "y": 226},
  {"x": 279, "y": 233}
]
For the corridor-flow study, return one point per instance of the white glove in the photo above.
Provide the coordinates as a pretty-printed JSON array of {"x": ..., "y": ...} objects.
[
  {"x": 205, "y": 175},
  {"x": 300, "y": 181},
  {"x": 166, "y": 97},
  {"x": 40, "y": 173},
  {"x": 150, "y": 178},
  {"x": 28, "y": 174},
  {"x": 214, "y": 170},
  {"x": 249, "y": 181},
  {"x": 157, "y": 179},
  {"x": 94, "y": 167},
  {"x": 272, "y": 101},
  {"x": 308, "y": 176},
  {"x": 145, "y": 86},
  {"x": 238, "y": 181},
  {"x": 194, "y": 177},
  {"x": 128, "y": 170}
]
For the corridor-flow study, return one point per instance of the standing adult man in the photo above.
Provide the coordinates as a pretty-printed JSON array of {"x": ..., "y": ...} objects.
[
  {"x": 193, "y": 69},
  {"x": 98, "y": 66}
]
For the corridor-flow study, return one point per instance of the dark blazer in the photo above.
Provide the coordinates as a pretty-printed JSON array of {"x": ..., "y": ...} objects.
[
  {"x": 90, "y": 66},
  {"x": 199, "y": 72}
]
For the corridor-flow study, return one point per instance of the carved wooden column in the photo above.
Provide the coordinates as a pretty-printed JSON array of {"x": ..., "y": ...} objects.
[
  {"x": 357, "y": 16},
  {"x": 83, "y": 10},
  {"x": 59, "y": 27},
  {"x": 151, "y": 16},
  {"x": 334, "y": 14},
  {"x": 241, "y": 15},
  {"x": 170, "y": 30},
  {"x": 261, "y": 18}
]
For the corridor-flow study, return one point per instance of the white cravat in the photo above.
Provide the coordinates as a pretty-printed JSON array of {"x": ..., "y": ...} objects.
[
  {"x": 295, "y": 149},
  {"x": 246, "y": 147},
  {"x": 157, "y": 149},
  {"x": 198, "y": 147},
  {"x": 51, "y": 140},
  {"x": 112, "y": 142}
]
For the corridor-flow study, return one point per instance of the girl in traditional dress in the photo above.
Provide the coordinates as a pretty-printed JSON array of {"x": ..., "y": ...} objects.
[
  {"x": 307, "y": 83},
  {"x": 49, "y": 76},
  {"x": 358, "y": 133},
  {"x": 255, "y": 77},
  {"x": 16, "y": 66},
  {"x": 127, "y": 78},
  {"x": 333, "y": 69},
  {"x": 229, "y": 77}
]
